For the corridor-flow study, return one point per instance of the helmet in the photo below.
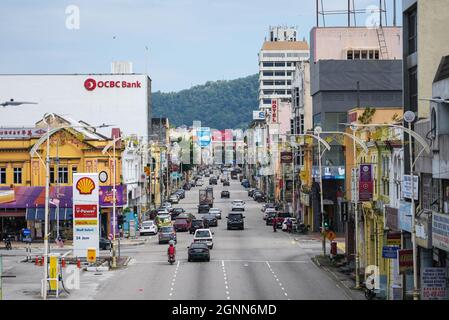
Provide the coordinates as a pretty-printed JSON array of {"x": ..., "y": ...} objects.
[{"x": 171, "y": 243}]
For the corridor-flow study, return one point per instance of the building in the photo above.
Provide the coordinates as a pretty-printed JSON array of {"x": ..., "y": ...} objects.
[
  {"x": 350, "y": 67},
  {"x": 117, "y": 99},
  {"x": 23, "y": 176},
  {"x": 278, "y": 58}
]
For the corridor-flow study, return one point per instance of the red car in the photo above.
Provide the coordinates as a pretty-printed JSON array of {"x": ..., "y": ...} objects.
[{"x": 182, "y": 224}]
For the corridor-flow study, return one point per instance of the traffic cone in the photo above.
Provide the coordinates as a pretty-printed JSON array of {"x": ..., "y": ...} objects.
[
  {"x": 36, "y": 261},
  {"x": 41, "y": 261}
]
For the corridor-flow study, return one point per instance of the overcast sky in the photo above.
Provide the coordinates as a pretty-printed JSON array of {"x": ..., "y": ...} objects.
[{"x": 189, "y": 41}]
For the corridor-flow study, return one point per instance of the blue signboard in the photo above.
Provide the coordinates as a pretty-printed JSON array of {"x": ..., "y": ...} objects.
[
  {"x": 26, "y": 232},
  {"x": 204, "y": 136},
  {"x": 390, "y": 252},
  {"x": 404, "y": 216}
]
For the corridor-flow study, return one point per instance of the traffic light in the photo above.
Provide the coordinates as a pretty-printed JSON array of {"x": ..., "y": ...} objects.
[
  {"x": 326, "y": 222},
  {"x": 120, "y": 221}
]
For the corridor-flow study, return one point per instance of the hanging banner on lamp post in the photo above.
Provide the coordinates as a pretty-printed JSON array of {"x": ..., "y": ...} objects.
[{"x": 366, "y": 182}]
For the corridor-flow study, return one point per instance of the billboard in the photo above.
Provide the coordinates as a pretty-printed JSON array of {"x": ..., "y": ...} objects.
[
  {"x": 86, "y": 231},
  {"x": 203, "y": 136},
  {"x": 258, "y": 115},
  {"x": 274, "y": 111}
]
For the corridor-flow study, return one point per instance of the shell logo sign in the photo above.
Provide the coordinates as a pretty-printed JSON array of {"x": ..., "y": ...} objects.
[{"x": 85, "y": 185}]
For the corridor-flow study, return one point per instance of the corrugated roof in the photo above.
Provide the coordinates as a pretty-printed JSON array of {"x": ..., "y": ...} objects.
[{"x": 285, "y": 45}]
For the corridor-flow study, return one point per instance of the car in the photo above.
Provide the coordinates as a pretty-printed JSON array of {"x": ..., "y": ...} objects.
[
  {"x": 162, "y": 211},
  {"x": 148, "y": 227},
  {"x": 268, "y": 205},
  {"x": 216, "y": 212},
  {"x": 186, "y": 215},
  {"x": 225, "y": 194},
  {"x": 187, "y": 186},
  {"x": 251, "y": 191},
  {"x": 199, "y": 183},
  {"x": 294, "y": 224},
  {"x": 196, "y": 224},
  {"x": 259, "y": 196},
  {"x": 167, "y": 205},
  {"x": 207, "y": 175},
  {"x": 238, "y": 205},
  {"x": 174, "y": 198},
  {"x": 204, "y": 236},
  {"x": 210, "y": 220},
  {"x": 203, "y": 208},
  {"x": 167, "y": 233},
  {"x": 226, "y": 183},
  {"x": 163, "y": 220},
  {"x": 181, "y": 193},
  {"x": 105, "y": 244},
  {"x": 235, "y": 221},
  {"x": 212, "y": 181},
  {"x": 246, "y": 184},
  {"x": 267, "y": 212},
  {"x": 281, "y": 216},
  {"x": 198, "y": 251},
  {"x": 176, "y": 212},
  {"x": 182, "y": 224}
]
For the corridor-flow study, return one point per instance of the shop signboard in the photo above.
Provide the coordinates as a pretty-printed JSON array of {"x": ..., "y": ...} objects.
[
  {"x": 405, "y": 257},
  {"x": 85, "y": 220},
  {"x": 440, "y": 231},
  {"x": 434, "y": 284},
  {"x": 390, "y": 252},
  {"x": 407, "y": 187},
  {"x": 394, "y": 239},
  {"x": 404, "y": 216}
]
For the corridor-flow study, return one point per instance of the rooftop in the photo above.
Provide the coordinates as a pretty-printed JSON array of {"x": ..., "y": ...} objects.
[{"x": 285, "y": 45}]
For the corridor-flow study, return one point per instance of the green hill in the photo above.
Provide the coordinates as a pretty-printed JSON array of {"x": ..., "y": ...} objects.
[{"x": 217, "y": 104}]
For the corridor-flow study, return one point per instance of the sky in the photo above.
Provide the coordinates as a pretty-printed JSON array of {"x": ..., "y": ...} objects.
[{"x": 179, "y": 43}]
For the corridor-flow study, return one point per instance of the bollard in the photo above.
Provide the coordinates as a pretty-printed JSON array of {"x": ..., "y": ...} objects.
[
  {"x": 78, "y": 263},
  {"x": 63, "y": 263},
  {"x": 41, "y": 261},
  {"x": 36, "y": 261}
]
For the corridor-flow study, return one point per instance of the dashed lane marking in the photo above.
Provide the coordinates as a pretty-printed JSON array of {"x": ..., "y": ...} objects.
[
  {"x": 277, "y": 279},
  {"x": 225, "y": 280},
  {"x": 172, "y": 288}
]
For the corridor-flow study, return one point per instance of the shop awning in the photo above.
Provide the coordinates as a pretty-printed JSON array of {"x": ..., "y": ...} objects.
[
  {"x": 12, "y": 213},
  {"x": 39, "y": 214}
]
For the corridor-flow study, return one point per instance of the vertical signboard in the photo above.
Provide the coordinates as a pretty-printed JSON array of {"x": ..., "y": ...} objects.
[
  {"x": 434, "y": 284},
  {"x": 405, "y": 257},
  {"x": 366, "y": 182},
  {"x": 440, "y": 231},
  {"x": 85, "y": 213},
  {"x": 407, "y": 187},
  {"x": 274, "y": 111}
]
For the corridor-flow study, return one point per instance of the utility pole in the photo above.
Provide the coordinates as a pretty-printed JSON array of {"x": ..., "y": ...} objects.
[
  {"x": 356, "y": 214},
  {"x": 317, "y": 132}
]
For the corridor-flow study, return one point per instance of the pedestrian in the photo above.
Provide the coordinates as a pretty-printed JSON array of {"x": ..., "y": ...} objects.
[
  {"x": 274, "y": 224},
  {"x": 289, "y": 225}
]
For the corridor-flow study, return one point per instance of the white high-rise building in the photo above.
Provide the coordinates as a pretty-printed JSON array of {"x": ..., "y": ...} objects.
[{"x": 277, "y": 61}]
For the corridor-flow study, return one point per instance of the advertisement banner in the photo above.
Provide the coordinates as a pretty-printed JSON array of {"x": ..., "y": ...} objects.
[
  {"x": 258, "y": 115},
  {"x": 366, "y": 182},
  {"x": 21, "y": 133},
  {"x": 440, "y": 231},
  {"x": 86, "y": 231},
  {"x": 286, "y": 157},
  {"x": 404, "y": 216},
  {"x": 434, "y": 284}
]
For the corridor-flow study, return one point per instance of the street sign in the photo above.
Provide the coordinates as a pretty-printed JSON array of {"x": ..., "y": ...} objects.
[
  {"x": 394, "y": 239},
  {"x": 407, "y": 187},
  {"x": 91, "y": 255},
  {"x": 26, "y": 232},
  {"x": 434, "y": 284},
  {"x": 330, "y": 235},
  {"x": 409, "y": 116}
]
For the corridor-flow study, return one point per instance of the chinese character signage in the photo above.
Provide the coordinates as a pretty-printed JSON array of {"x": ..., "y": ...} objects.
[
  {"x": 407, "y": 187},
  {"x": 21, "y": 133},
  {"x": 366, "y": 182},
  {"x": 440, "y": 231}
]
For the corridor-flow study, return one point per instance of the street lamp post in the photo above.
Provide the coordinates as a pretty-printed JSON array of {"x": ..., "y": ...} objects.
[{"x": 317, "y": 132}]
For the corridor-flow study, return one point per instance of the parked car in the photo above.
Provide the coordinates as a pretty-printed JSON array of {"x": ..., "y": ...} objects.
[
  {"x": 196, "y": 224},
  {"x": 204, "y": 236},
  {"x": 203, "y": 208},
  {"x": 181, "y": 193},
  {"x": 187, "y": 186},
  {"x": 166, "y": 234},
  {"x": 210, "y": 220},
  {"x": 162, "y": 211},
  {"x": 163, "y": 220},
  {"x": 198, "y": 251},
  {"x": 213, "y": 180},
  {"x": 267, "y": 212},
  {"x": 238, "y": 205},
  {"x": 235, "y": 221},
  {"x": 176, "y": 212},
  {"x": 270, "y": 217},
  {"x": 105, "y": 244},
  {"x": 251, "y": 191},
  {"x": 246, "y": 184},
  {"x": 216, "y": 212},
  {"x": 174, "y": 198},
  {"x": 259, "y": 196},
  {"x": 148, "y": 227},
  {"x": 199, "y": 183},
  {"x": 182, "y": 224},
  {"x": 225, "y": 194},
  {"x": 280, "y": 217}
]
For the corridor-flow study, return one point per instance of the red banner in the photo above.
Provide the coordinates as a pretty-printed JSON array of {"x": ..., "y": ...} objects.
[
  {"x": 86, "y": 210},
  {"x": 366, "y": 184}
]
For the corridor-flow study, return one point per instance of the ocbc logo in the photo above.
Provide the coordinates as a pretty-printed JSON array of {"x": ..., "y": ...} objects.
[{"x": 90, "y": 84}]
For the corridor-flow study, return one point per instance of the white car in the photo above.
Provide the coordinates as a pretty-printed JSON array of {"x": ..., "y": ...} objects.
[
  {"x": 238, "y": 205},
  {"x": 163, "y": 211},
  {"x": 205, "y": 236},
  {"x": 148, "y": 227},
  {"x": 199, "y": 183},
  {"x": 174, "y": 198},
  {"x": 294, "y": 224},
  {"x": 216, "y": 212},
  {"x": 267, "y": 212}
]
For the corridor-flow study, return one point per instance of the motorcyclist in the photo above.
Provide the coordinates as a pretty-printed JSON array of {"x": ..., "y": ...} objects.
[{"x": 171, "y": 251}]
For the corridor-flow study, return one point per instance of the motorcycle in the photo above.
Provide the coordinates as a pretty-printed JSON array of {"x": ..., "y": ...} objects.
[
  {"x": 302, "y": 228},
  {"x": 171, "y": 258},
  {"x": 7, "y": 241}
]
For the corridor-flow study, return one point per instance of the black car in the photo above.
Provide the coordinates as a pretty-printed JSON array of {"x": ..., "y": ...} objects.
[
  {"x": 176, "y": 212},
  {"x": 210, "y": 220},
  {"x": 235, "y": 221},
  {"x": 212, "y": 181},
  {"x": 226, "y": 183},
  {"x": 259, "y": 196},
  {"x": 196, "y": 224},
  {"x": 187, "y": 186},
  {"x": 198, "y": 251},
  {"x": 251, "y": 192},
  {"x": 105, "y": 244},
  {"x": 225, "y": 194},
  {"x": 203, "y": 208}
]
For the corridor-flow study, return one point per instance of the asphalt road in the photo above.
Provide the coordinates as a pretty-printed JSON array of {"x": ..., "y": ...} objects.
[{"x": 254, "y": 263}]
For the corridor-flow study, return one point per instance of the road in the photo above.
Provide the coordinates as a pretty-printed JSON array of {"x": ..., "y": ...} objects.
[{"x": 253, "y": 264}]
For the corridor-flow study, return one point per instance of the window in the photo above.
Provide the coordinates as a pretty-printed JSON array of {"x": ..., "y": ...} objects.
[
  {"x": 17, "y": 175},
  {"x": 268, "y": 92},
  {"x": 376, "y": 55},
  {"x": 356, "y": 55},
  {"x": 63, "y": 175},
  {"x": 268, "y": 64},
  {"x": 266, "y": 101},
  {"x": 289, "y": 73},
  {"x": 280, "y": 82},
  {"x": 268, "y": 83},
  {"x": 364, "y": 54},
  {"x": 350, "y": 55},
  {"x": 279, "y": 64},
  {"x": 74, "y": 169},
  {"x": 280, "y": 91},
  {"x": 289, "y": 92},
  {"x": 268, "y": 73},
  {"x": 2, "y": 175},
  {"x": 371, "y": 55},
  {"x": 279, "y": 73},
  {"x": 412, "y": 35},
  {"x": 289, "y": 82},
  {"x": 52, "y": 175},
  {"x": 413, "y": 89}
]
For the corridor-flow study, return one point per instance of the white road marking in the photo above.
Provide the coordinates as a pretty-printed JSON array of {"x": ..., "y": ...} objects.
[
  {"x": 172, "y": 288},
  {"x": 276, "y": 277},
  {"x": 225, "y": 280}
]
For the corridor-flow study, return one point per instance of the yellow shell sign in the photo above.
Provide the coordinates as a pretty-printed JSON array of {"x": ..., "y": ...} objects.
[
  {"x": 86, "y": 222},
  {"x": 85, "y": 185}
]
